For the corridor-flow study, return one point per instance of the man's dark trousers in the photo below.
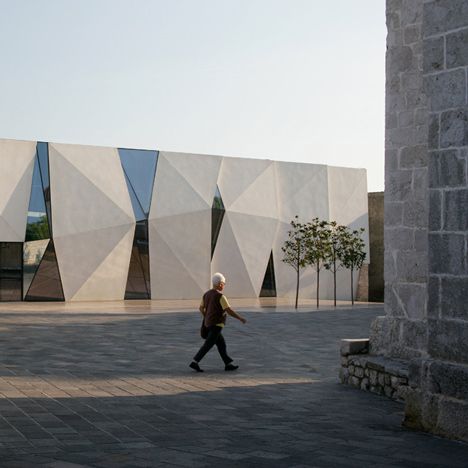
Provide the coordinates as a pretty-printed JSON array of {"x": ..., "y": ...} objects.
[{"x": 214, "y": 338}]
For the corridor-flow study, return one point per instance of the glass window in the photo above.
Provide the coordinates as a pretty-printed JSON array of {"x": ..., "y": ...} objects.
[
  {"x": 269, "y": 282},
  {"x": 11, "y": 264},
  {"x": 140, "y": 168},
  {"x": 217, "y": 214}
]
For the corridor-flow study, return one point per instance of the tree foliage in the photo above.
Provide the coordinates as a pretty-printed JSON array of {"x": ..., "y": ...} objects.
[{"x": 323, "y": 244}]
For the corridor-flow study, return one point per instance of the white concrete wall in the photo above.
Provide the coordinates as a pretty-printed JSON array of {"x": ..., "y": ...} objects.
[{"x": 93, "y": 221}]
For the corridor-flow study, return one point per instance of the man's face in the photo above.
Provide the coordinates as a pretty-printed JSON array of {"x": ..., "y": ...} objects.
[{"x": 220, "y": 286}]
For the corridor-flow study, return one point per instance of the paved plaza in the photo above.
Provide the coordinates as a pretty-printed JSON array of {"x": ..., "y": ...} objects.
[{"x": 109, "y": 386}]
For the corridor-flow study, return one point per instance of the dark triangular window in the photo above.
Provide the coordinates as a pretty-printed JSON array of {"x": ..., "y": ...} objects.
[
  {"x": 269, "y": 282},
  {"x": 138, "y": 280},
  {"x": 217, "y": 214},
  {"x": 46, "y": 284}
]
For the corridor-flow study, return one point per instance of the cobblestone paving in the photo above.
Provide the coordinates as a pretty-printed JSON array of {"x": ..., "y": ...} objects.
[{"x": 115, "y": 390}]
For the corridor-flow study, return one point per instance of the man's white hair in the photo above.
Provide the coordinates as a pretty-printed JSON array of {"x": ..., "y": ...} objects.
[{"x": 217, "y": 279}]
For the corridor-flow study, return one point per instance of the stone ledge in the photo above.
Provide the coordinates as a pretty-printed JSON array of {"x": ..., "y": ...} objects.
[
  {"x": 354, "y": 346},
  {"x": 376, "y": 374}
]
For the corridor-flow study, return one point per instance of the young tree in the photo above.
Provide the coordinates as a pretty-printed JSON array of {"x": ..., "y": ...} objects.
[
  {"x": 353, "y": 255},
  {"x": 294, "y": 250},
  {"x": 317, "y": 248},
  {"x": 335, "y": 251}
]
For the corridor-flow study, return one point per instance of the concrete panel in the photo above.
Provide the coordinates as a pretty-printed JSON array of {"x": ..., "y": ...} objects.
[
  {"x": 108, "y": 280},
  {"x": 236, "y": 176},
  {"x": 80, "y": 255},
  {"x": 177, "y": 190},
  {"x": 180, "y": 246},
  {"x": 16, "y": 169}
]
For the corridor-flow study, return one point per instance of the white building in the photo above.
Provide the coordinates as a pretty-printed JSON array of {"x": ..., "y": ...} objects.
[{"x": 94, "y": 223}]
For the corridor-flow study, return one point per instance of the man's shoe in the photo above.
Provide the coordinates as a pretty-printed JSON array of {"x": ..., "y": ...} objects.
[
  {"x": 231, "y": 367},
  {"x": 194, "y": 365}
]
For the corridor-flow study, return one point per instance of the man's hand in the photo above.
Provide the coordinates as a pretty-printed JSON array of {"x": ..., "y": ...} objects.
[{"x": 243, "y": 320}]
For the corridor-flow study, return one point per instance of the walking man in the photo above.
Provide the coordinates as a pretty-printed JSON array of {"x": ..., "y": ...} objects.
[{"x": 214, "y": 307}]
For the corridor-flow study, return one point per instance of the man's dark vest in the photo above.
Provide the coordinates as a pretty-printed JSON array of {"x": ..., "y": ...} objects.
[{"x": 214, "y": 311}]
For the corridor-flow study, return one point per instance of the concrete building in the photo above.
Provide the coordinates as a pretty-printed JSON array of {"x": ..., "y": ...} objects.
[{"x": 91, "y": 223}]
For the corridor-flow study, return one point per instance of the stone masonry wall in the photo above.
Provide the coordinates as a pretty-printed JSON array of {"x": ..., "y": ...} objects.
[
  {"x": 439, "y": 401},
  {"x": 402, "y": 333}
]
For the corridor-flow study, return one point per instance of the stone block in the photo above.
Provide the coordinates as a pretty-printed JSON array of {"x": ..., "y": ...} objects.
[
  {"x": 454, "y": 128},
  {"x": 401, "y": 392},
  {"x": 412, "y": 34},
  {"x": 381, "y": 379},
  {"x": 411, "y": 267},
  {"x": 433, "y": 54},
  {"x": 435, "y": 210},
  {"x": 411, "y": 12},
  {"x": 413, "y": 156},
  {"x": 411, "y": 80},
  {"x": 433, "y": 131},
  {"x": 405, "y": 119},
  {"x": 448, "y": 340},
  {"x": 385, "y": 330},
  {"x": 446, "y": 169},
  {"x": 373, "y": 379},
  {"x": 420, "y": 186},
  {"x": 354, "y": 381},
  {"x": 433, "y": 297},
  {"x": 398, "y": 186},
  {"x": 452, "y": 418},
  {"x": 393, "y": 213},
  {"x": 446, "y": 253},
  {"x": 455, "y": 213},
  {"x": 364, "y": 384},
  {"x": 351, "y": 370},
  {"x": 414, "y": 373},
  {"x": 359, "y": 372},
  {"x": 387, "y": 379},
  {"x": 344, "y": 375},
  {"x": 398, "y": 238},
  {"x": 447, "y": 89},
  {"x": 415, "y": 214},
  {"x": 449, "y": 380},
  {"x": 395, "y": 102},
  {"x": 454, "y": 297},
  {"x": 456, "y": 54},
  {"x": 393, "y": 304},
  {"x": 413, "y": 296},
  {"x": 354, "y": 346},
  {"x": 344, "y": 361},
  {"x": 400, "y": 59},
  {"x": 421, "y": 117},
  {"x": 414, "y": 334},
  {"x": 444, "y": 15},
  {"x": 420, "y": 240},
  {"x": 388, "y": 391},
  {"x": 391, "y": 120},
  {"x": 415, "y": 98}
]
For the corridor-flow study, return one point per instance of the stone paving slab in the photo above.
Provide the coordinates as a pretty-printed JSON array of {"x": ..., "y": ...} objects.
[{"x": 114, "y": 390}]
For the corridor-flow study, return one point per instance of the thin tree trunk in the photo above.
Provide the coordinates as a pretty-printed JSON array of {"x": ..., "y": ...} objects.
[
  {"x": 352, "y": 288},
  {"x": 334, "y": 282},
  {"x": 318, "y": 285},
  {"x": 298, "y": 270}
]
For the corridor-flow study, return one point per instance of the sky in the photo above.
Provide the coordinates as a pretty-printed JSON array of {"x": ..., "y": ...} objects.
[{"x": 288, "y": 80}]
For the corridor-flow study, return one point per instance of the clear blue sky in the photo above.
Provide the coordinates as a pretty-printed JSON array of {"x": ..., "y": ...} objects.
[{"x": 294, "y": 80}]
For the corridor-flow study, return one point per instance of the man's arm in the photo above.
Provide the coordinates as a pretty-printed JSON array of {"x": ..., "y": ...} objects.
[
  {"x": 202, "y": 310},
  {"x": 234, "y": 314}
]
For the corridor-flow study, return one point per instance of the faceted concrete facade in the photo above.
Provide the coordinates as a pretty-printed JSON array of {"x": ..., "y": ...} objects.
[
  {"x": 426, "y": 221},
  {"x": 115, "y": 223}
]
